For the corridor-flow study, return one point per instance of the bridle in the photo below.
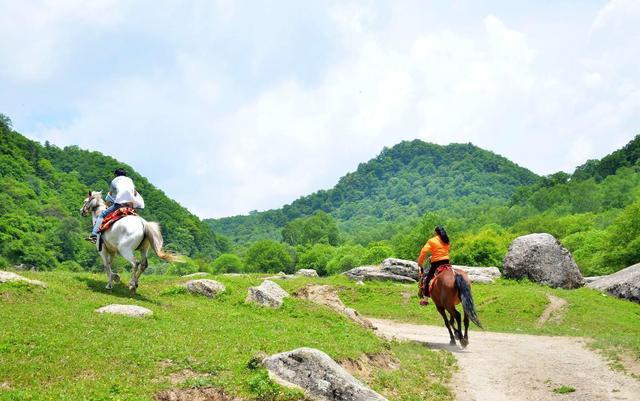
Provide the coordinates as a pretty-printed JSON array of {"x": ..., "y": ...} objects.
[{"x": 90, "y": 204}]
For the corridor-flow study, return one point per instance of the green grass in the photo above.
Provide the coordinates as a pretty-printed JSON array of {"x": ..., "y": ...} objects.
[
  {"x": 53, "y": 346},
  {"x": 564, "y": 390}
]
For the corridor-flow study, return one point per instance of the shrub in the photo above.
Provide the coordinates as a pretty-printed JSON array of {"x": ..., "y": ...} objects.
[
  {"x": 227, "y": 263},
  {"x": 268, "y": 256}
]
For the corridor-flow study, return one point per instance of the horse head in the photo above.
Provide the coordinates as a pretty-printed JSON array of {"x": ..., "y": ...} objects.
[{"x": 91, "y": 203}]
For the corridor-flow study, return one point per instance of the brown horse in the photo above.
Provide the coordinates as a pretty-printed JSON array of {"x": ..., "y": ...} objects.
[{"x": 451, "y": 287}]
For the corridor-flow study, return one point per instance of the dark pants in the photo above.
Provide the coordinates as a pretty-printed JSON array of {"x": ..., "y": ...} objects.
[{"x": 431, "y": 273}]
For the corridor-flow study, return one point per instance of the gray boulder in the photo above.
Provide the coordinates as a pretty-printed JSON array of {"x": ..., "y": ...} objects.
[
  {"x": 318, "y": 375},
  {"x": 623, "y": 284},
  {"x": 208, "y": 288},
  {"x": 307, "y": 273},
  {"x": 541, "y": 259},
  {"x": 127, "y": 310},
  {"x": 482, "y": 275},
  {"x": 6, "y": 277},
  {"x": 401, "y": 267},
  {"x": 375, "y": 273},
  {"x": 267, "y": 294}
]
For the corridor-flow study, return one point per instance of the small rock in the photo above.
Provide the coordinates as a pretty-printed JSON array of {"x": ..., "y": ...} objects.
[
  {"x": 208, "y": 288},
  {"x": 127, "y": 310},
  {"x": 307, "y": 273},
  {"x": 318, "y": 375},
  {"x": 541, "y": 259},
  {"x": 6, "y": 277},
  {"x": 267, "y": 294},
  {"x": 359, "y": 282},
  {"x": 623, "y": 284},
  {"x": 198, "y": 274}
]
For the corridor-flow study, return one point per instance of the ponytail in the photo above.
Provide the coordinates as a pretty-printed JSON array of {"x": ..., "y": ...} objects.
[{"x": 442, "y": 234}]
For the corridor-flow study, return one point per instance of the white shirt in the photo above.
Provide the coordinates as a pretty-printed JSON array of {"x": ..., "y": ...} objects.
[{"x": 123, "y": 191}]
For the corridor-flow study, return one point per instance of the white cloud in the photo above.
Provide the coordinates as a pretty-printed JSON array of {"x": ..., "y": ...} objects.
[{"x": 221, "y": 137}]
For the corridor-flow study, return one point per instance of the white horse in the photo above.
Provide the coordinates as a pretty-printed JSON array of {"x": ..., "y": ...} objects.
[{"x": 124, "y": 237}]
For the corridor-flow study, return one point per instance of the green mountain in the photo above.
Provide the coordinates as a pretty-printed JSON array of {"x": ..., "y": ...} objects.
[
  {"x": 42, "y": 191},
  {"x": 628, "y": 156},
  {"x": 400, "y": 184}
]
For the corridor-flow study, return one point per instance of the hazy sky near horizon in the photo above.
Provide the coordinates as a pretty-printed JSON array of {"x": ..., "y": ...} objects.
[{"x": 236, "y": 106}]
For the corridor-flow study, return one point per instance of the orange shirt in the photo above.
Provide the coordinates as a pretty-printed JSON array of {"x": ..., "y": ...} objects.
[{"x": 438, "y": 249}]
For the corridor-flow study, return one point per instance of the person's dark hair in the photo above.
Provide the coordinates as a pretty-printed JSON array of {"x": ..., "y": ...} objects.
[
  {"x": 119, "y": 171},
  {"x": 442, "y": 234}
]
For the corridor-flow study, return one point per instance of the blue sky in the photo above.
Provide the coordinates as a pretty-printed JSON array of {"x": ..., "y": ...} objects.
[{"x": 237, "y": 106}]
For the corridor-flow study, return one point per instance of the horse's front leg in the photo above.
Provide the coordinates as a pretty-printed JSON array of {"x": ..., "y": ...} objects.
[
  {"x": 106, "y": 261},
  {"x": 452, "y": 339}
]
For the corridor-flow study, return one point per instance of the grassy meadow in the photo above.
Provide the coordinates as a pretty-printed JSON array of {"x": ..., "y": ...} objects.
[{"x": 53, "y": 346}]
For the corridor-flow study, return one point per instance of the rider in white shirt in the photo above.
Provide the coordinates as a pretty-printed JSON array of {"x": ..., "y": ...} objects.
[{"x": 122, "y": 193}]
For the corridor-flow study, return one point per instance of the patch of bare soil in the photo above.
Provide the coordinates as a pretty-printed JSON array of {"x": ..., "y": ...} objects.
[
  {"x": 194, "y": 394},
  {"x": 327, "y": 295},
  {"x": 184, "y": 375},
  {"x": 554, "y": 312},
  {"x": 630, "y": 364},
  {"x": 364, "y": 366},
  {"x": 5, "y": 386},
  {"x": 514, "y": 367},
  {"x": 406, "y": 297}
]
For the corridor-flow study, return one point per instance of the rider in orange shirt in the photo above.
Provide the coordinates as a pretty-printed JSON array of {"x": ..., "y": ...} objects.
[{"x": 438, "y": 247}]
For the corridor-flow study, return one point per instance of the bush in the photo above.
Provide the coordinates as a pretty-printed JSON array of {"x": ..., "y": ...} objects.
[
  {"x": 317, "y": 257},
  {"x": 346, "y": 257},
  {"x": 227, "y": 263},
  {"x": 268, "y": 256},
  {"x": 376, "y": 253},
  {"x": 70, "y": 266}
]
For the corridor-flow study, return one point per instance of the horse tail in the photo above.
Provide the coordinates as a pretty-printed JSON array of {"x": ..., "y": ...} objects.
[
  {"x": 467, "y": 300},
  {"x": 153, "y": 234}
]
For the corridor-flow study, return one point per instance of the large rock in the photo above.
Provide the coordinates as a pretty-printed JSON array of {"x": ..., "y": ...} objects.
[
  {"x": 208, "y": 288},
  {"x": 375, "y": 273},
  {"x": 541, "y": 258},
  {"x": 401, "y": 267},
  {"x": 482, "y": 275},
  {"x": 623, "y": 284},
  {"x": 307, "y": 273},
  {"x": 326, "y": 295},
  {"x": 127, "y": 310},
  {"x": 267, "y": 294},
  {"x": 6, "y": 277},
  {"x": 318, "y": 375}
]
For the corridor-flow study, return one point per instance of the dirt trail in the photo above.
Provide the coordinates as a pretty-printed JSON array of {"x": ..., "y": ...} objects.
[{"x": 501, "y": 367}]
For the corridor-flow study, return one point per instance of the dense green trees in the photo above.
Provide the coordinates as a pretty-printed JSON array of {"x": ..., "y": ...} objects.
[
  {"x": 269, "y": 256},
  {"x": 41, "y": 191}
]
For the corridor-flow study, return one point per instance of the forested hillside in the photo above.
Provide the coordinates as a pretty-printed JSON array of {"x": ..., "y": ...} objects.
[
  {"x": 402, "y": 183},
  {"x": 42, "y": 189}
]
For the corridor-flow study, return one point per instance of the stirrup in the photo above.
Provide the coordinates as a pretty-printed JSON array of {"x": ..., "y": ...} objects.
[{"x": 92, "y": 238}]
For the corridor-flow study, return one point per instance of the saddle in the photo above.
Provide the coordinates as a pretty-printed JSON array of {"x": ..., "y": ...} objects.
[
  {"x": 114, "y": 216},
  {"x": 439, "y": 270}
]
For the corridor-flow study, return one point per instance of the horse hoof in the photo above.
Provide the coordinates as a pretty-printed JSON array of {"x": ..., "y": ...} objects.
[
  {"x": 132, "y": 290},
  {"x": 116, "y": 278},
  {"x": 452, "y": 342},
  {"x": 108, "y": 287}
]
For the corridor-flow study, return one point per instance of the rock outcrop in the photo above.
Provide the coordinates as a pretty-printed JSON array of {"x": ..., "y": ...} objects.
[
  {"x": 623, "y": 284},
  {"x": 208, "y": 288},
  {"x": 364, "y": 273},
  {"x": 318, "y": 375},
  {"x": 127, "y": 310},
  {"x": 541, "y": 259},
  {"x": 267, "y": 294},
  {"x": 326, "y": 295},
  {"x": 307, "y": 273},
  {"x": 6, "y": 277},
  {"x": 401, "y": 267},
  {"x": 482, "y": 275}
]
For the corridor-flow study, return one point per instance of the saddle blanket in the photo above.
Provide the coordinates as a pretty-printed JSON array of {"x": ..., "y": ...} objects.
[{"x": 116, "y": 215}]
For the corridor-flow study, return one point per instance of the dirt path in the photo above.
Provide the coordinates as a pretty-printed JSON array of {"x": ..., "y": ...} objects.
[{"x": 501, "y": 367}]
